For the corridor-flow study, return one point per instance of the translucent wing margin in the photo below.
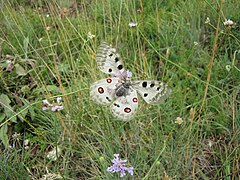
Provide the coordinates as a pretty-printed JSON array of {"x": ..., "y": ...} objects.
[
  {"x": 108, "y": 60},
  {"x": 152, "y": 91}
]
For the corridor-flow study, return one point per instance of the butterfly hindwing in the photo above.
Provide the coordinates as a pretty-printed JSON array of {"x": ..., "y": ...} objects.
[
  {"x": 103, "y": 91},
  {"x": 124, "y": 107},
  {"x": 108, "y": 60},
  {"x": 152, "y": 91}
]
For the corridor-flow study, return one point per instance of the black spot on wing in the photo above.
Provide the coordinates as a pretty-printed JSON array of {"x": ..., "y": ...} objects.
[
  {"x": 108, "y": 99},
  {"x": 116, "y": 105},
  {"x": 145, "y": 94},
  {"x": 120, "y": 67},
  {"x": 144, "y": 84},
  {"x": 116, "y": 59},
  {"x": 158, "y": 88},
  {"x": 109, "y": 70},
  {"x": 152, "y": 85},
  {"x": 110, "y": 55}
]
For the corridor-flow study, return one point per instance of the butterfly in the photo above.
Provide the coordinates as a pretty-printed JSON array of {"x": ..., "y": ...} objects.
[{"x": 118, "y": 90}]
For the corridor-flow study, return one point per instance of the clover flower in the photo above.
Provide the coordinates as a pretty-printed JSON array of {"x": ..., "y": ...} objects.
[
  {"x": 207, "y": 21},
  {"x": 26, "y": 143},
  {"x": 178, "y": 120},
  {"x": 195, "y": 43},
  {"x": 54, "y": 153},
  {"x": 228, "y": 22},
  {"x": 228, "y": 68},
  {"x": 119, "y": 166},
  {"x": 54, "y": 107},
  {"x": 90, "y": 35}
]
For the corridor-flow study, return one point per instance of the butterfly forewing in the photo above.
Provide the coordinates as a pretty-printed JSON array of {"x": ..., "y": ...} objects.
[
  {"x": 124, "y": 107},
  {"x": 108, "y": 60},
  {"x": 103, "y": 91},
  {"x": 152, "y": 91}
]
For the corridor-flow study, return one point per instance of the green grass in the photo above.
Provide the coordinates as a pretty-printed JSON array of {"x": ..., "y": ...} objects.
[{"x": 52, "y": 56}]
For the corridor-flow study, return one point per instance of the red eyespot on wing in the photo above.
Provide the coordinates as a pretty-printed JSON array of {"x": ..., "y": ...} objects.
[
  {"x": 100, "y": 90},
  {"x": 127, "y": 110},
  {"x": 135, "y": 99},
  {"x": 109, "y": 80}
]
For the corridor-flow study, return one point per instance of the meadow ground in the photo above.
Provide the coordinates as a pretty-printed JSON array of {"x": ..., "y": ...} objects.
[{"x": 48, "y": 50}]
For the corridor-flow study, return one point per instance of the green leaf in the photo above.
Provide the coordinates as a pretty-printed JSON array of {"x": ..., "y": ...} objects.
[
  {"x": 5, "y": 102},
  {"x": 2, "y": 117},
  {"x": 3, "y": 135},
  {"x": 52, "y": 88},
  {"x": 25, "y": 46},
  {"x": 20, "y": 70},
  {"x": 25, "y": 43}
]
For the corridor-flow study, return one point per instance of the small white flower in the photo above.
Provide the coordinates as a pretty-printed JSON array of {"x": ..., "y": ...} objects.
[
  {"x": 54, "y": 107},
  {"x": 195, "y": 43},
  {"x": 48, "y": 28},
  {"x": 210, "y": 143},
  {"x": 26, "y": 143},
  {"x": 132, "y": 24},
  {"x": 16, "y": 136},
  {"x": 52, "y": 155},
  {"x": 207, "y": 21},
  {"x": 12, "y": 147},
  {"x": 59, "y": 99},
  {"x": 179, "y": 120},
  {"x": 228, "y": 68},
  {"x": 228, "y": 22},
  {"x": 90, "y": 35},
  {"x": 51, "y": 176},
  {"x": 45, "y": 101}
]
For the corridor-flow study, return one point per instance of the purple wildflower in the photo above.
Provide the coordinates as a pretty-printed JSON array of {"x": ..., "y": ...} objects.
[
  {"x": 54, "y": 107},
  {"x": 44, "y": 108},
  {"x": 129, "y": 74},
  {"x": 119, "y": 166},
  {"x": 124, "y": 74}
]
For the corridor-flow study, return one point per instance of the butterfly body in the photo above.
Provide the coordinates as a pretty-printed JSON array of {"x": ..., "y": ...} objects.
[
  {"x": 119, "y": 90},
  {"x": 122, "y": 89}
]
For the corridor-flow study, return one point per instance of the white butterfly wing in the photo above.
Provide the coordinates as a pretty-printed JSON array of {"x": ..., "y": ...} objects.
[
  {"x": 124, "y": 107},
  {"x": 152, "y": 91},
  {"x": 108, "y": 60},
  {"x": 103, "y": 91}
]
